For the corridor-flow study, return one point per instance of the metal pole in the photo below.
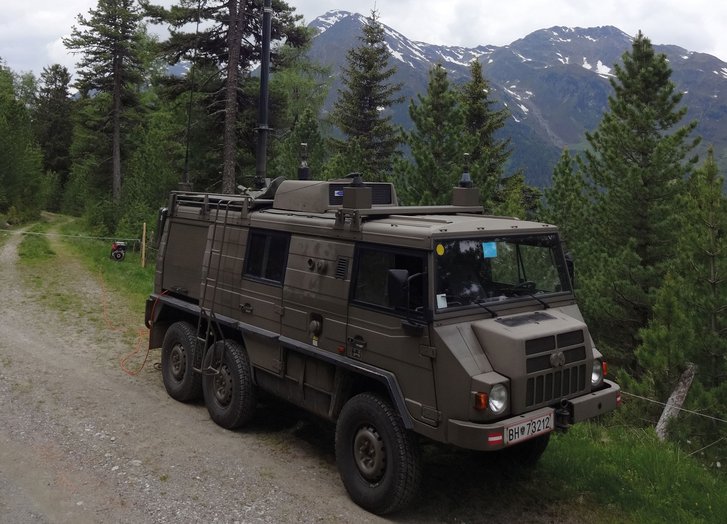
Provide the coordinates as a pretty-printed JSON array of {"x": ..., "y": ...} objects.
[
  {"x": 185, "y": 185},
  {"x": 263, "y": 129}
]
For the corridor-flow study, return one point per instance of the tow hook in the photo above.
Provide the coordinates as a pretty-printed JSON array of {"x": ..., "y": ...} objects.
[{"x": 563, "y": 417}]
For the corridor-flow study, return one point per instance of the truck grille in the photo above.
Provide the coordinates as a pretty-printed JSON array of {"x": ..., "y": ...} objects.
[
  {"x": 558, "y": 384},
  {"x": 556, "y": 367}
]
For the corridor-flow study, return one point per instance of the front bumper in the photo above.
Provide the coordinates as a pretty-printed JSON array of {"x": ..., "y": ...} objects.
[{"x": 483, "y": 437}]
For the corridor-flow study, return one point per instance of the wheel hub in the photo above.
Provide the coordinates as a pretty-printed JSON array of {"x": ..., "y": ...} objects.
[
  {"x": 223, "y": 386},
  {"x": 369, "y": 453},
  {"x": 178, "y": 360}
]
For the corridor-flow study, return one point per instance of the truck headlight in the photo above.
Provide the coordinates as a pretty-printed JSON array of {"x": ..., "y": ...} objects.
[
  {"x": 498, "y": 399},
  {"x": 597, "y": 373}
]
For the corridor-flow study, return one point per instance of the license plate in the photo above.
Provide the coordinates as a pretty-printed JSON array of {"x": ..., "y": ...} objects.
[{"x": 528, "y": 427}]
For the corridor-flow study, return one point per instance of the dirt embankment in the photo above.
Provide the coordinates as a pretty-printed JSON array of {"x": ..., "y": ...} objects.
[{"x": 82, "y": 441}]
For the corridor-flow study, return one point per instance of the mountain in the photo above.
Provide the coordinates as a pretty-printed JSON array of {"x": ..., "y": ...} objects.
[{"x": 554, "y": 81}]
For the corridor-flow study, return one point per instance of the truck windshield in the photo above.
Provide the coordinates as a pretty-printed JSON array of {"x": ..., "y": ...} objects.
[{"x": 489, "y": 270}]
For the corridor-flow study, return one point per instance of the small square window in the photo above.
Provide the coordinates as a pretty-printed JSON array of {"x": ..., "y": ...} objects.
[{"x": 267, "y": 253}]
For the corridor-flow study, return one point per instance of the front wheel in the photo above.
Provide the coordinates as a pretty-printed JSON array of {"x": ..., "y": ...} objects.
[
  {"x": 229, "y": 394},
  {"x": 377, "y": 458}
]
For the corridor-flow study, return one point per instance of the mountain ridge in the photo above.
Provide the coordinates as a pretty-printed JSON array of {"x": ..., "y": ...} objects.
[{"x": 554, "y": 81}]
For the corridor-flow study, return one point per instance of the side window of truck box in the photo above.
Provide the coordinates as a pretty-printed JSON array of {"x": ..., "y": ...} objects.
[{"x": 267, "y": 254}]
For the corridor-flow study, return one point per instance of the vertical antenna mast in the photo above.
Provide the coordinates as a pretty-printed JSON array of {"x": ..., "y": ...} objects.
[
  {"x": 263, "y": 129},
  {"x": 185, "y": 185}
]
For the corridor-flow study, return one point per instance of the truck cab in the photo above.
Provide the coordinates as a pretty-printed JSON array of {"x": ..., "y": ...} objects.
[{"x": 393, "y": 322}]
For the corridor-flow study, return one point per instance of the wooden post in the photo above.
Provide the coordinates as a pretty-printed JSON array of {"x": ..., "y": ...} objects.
[
  {"x": 676, "y": 399},
  {"x": 143, "y": 246}
]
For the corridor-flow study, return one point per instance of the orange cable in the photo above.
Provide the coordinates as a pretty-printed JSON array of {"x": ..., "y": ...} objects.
[{"x": 140, "y": 336}]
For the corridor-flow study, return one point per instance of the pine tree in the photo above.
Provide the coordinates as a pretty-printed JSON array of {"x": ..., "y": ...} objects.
[
  {"x": 634, "y": 170},
  {"x": 298, "y": 91},
  {"x": 228, "y": 103},
  {"x": 699, "y": 274},
  {"x": 482, "y": 122},
  {"x": 108, "y": 42},
  {"x": 361, "y": 109},
  {"x": 689, "y": 322},
  {"x": 21, "y": 179},
  {"x": 53, "y": 125},
  {"x": 287, "y": 159},
  {"x": 565, "y": 204},
  {"x": 436, "y": 145}
]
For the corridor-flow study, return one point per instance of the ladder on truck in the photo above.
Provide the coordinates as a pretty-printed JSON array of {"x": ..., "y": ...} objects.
[{"x": 209, "y": 331}]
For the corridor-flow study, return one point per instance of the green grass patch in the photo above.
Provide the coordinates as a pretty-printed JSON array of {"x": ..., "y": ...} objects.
[
  {"x": 126, "y": 278},
  {"x": 635, "y": 474},
  {"x": 35, "y": 247}
]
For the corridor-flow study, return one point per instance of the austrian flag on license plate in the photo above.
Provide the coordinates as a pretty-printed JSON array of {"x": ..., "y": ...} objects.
[{"x": 529, "y": 427}]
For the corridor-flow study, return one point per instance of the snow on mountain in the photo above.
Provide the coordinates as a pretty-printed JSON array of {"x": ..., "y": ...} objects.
[{"x": 554, "y": 82}]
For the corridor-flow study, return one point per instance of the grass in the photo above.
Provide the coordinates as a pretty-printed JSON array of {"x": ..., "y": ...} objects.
[
  {"x": 126, "y": 278},
  {"x": 631, "y": 472},
  {"x": 35, "y": 248}
]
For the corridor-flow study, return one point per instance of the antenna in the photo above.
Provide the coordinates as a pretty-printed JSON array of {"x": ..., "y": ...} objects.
[
  {"x": 185, "y": 184},
  {"x": 262, "y": 128},
  {"x": 303, "y": 169}
]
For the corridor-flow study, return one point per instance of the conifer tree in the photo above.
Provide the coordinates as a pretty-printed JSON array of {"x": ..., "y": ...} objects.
[
  {"x": 634, "y": 170},
  {"x": 689, "y": 323},
  {"x": 227, "y": 38},
  {"x": 21, "y": 182},
  {"x": 108, "y": 41},
  {"x": 482, "y": 121},
  {"x": 565, "y": 204},
  {"x": 361, "y": 109},
  {"x": 436, "y": 144},
  {"x": 52, "y": 122}
]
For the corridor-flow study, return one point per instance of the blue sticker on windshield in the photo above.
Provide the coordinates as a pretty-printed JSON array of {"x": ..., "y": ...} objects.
[{"x": 489, "y": 249}]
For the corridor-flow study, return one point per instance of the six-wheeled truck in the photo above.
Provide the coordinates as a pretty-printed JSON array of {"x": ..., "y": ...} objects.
[{"x": 396, "y": 323}]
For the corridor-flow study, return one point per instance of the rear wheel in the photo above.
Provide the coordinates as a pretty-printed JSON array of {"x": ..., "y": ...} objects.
[
  {"x": 179, "y": 356},
  {"x": 229, "y": 393},
  {"x": 377, "y": 458}
]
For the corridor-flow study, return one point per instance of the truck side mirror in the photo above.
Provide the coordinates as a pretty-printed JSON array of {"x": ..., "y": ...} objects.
[{"x": 397, "y": 284}]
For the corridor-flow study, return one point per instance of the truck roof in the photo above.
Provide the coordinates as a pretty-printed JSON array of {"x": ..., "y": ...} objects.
[{"x": 317, "y": 208}]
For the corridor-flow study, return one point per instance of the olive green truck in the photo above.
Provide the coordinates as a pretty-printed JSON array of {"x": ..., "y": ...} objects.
[{"x": 396, "y": 323}]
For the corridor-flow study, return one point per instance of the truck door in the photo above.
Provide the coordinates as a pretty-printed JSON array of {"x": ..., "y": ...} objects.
[
  {"x": 261, "y": 295},
  {"x": 394, "y": 338}
]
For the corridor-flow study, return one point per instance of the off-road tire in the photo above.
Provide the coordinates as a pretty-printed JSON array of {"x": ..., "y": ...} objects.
[
  {"x": 377, "y": 458},
  {"x": 527, "y": 454},
  {"x": 179, "y": 356},
  {"x": 229, "y": 394}
]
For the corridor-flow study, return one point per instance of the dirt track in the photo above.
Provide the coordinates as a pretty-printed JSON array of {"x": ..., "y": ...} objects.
[{"x": 82, "y": 441}]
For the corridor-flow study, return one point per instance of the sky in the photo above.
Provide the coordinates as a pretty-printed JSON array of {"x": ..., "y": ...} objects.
[{"x": 31, "y": 30}]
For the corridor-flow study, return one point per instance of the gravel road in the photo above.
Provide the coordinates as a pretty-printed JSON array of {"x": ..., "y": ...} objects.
[{"x": 83, "y": 441}]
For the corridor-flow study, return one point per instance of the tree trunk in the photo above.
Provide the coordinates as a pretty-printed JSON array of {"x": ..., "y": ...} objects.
[
  {"x": 237, "y": 9},
  {"x": 116, "y": 140},
  {"x": 676, "y": 399}
]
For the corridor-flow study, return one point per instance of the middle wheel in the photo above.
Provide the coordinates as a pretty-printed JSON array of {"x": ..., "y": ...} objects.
[{"x": 229, "y": 393}]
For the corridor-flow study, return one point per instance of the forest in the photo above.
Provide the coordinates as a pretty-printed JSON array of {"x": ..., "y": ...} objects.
[{"x": 642, "y": 215}]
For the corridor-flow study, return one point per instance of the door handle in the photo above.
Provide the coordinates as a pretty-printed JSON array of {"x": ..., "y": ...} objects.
[{"x": 246, "y": 307}]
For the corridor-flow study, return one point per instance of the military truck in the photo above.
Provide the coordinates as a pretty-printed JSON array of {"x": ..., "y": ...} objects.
[{"x": 397, "y": 323}]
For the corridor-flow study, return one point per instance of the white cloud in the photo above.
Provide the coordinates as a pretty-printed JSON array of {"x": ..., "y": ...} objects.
[{"x": 30, "y": 30}]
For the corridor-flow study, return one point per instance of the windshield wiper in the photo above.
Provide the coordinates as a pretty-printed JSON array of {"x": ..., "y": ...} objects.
[
  {"x": 481, "y": 303},
  {"x": 543, "y": 302}
]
